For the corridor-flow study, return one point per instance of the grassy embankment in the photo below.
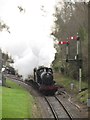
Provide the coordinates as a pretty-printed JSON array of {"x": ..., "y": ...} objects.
[
  {"x": 65, "y": 81},
  {"x": 0, "y": 102},
  {"x": 16, "y": 102}
]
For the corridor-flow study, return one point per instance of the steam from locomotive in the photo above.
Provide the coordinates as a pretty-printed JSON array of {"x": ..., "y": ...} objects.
[{"x": 29, "y": 41}]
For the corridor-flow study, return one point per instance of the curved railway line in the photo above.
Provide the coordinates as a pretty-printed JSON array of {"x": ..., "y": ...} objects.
[
  {"x": 57, "y": 108},
  {"x": 52, "y": 109}
]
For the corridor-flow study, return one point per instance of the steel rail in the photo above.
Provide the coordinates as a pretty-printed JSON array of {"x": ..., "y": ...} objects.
[
  {"x": 63, "y": 107},
  {"x": 52, "y": 109}
]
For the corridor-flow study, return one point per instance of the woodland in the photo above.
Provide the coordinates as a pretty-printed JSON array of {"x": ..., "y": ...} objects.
[{"x": 71, "y": 20}]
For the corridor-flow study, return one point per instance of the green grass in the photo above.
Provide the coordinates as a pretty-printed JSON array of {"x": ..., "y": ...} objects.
[
  {"x": 16, "y": 102},
  {"x": 66, "y": 81},
  {"x": 82, "y": 97},
  {"x": 0, "y": 102}
]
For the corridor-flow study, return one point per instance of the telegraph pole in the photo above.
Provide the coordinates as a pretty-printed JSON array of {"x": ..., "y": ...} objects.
[
  {"x": 0, "y": 67},
  {"x": 67, "y": 45}
]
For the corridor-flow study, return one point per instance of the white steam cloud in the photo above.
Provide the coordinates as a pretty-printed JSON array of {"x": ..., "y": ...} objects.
[{"x": 29, "y": 42}]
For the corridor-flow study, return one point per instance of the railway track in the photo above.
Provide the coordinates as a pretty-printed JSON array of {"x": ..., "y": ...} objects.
[
  {"x": 57, "y": 108},
  {"x": 52, "y": 109}
]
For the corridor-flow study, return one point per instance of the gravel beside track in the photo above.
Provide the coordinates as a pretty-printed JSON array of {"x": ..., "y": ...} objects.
[
  {"x": 74, "y": 110},
  {"x": 57, "y": 109}
]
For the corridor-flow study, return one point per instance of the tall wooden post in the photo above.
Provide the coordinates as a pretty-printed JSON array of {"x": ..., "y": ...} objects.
[
  {"x": 0, "y": 67},
  {"x": 67, "y": 52}
]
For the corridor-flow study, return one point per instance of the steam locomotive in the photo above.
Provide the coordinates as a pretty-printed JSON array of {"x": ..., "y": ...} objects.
[
  {"x": 10, "y": 70},
  {"x": 43, "y": 76}
]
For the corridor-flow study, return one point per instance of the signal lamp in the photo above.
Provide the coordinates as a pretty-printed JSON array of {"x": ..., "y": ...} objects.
[
  {"x": 63, "y": 42},
  {"x": 74, "y": 38}
]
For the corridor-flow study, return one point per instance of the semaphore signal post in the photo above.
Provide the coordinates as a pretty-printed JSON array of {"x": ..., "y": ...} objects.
[{"x": 77, "y": 59}]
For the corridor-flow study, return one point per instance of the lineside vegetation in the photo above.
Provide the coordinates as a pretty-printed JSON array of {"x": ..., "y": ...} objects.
[
  {"x": 16, "y": 101},
  {"x": 0, "y": 102},
  {"x": 66, "y": 82}
]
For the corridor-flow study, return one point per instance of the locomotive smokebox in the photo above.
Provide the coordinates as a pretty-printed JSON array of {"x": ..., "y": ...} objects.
[
  {"x": 47, "y": 78},
  {"x": 43, "y": 76}
]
